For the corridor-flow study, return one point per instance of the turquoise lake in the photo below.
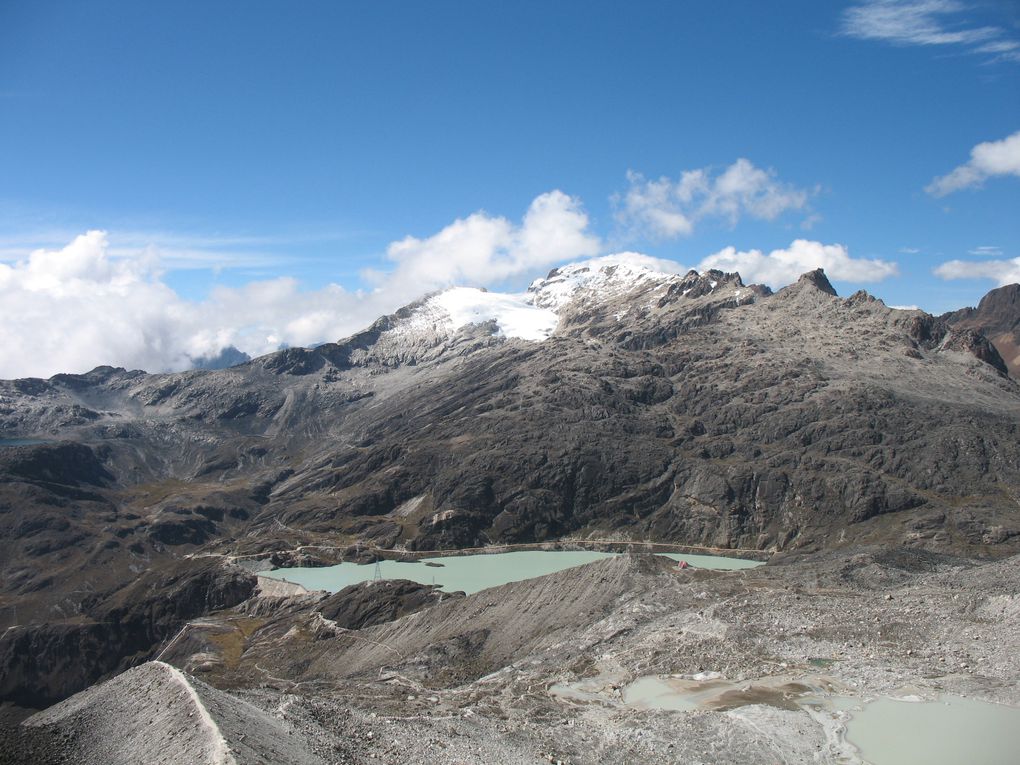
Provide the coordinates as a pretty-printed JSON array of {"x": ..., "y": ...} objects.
[
  {"x": 19, "y": 442},
  {"x": 471, "y": 573}
]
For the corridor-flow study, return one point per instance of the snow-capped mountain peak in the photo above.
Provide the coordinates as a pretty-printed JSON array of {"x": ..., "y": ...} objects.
[
  {"x": 514, "y": 314},
  {"x": 534, "y": 315},
  {"x": 600, "y": 278}
]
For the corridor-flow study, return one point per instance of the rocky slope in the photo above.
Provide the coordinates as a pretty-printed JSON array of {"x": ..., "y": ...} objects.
[
  {"x": 538, "y": 671},
  {"x": 608, "y": 400},
  {"x": 156, "y": 714},
  {"x": 997, "y": 317}
]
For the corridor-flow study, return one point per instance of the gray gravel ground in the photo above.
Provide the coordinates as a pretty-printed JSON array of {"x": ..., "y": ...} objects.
[{"x": 469, "y": 680}]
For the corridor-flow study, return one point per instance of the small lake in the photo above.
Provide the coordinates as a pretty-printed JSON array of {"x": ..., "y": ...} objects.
[
  {"x": 949, "y": 730},
  {"x": 656, "y": 692},
  {"x": 20, "y": 442},
  {"x": 471, "y": 573}
]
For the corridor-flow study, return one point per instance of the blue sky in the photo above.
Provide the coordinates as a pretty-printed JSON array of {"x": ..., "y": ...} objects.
[{"x": 225, "y": 149}]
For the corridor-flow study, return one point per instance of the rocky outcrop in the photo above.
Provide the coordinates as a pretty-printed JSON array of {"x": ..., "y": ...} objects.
[
  {"x": 997, "y": 317},
  {"x": 66, "y": 465},
  {"x": 818, "y": 280},
  {"x": 43, "y": 663},
  {"x": 363, "y": 605}
]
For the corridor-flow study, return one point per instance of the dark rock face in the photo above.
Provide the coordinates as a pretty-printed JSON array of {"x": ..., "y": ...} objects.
[
  {"x": 932, "y": 333},
  {"x": 977, "y": 345},
  {"x": 44, "y": 663},
  {"x": 997, "y": 317},
  {"x": 228, "y": 357},
  {"x": 687, "y": 408},
  {"x": 64, "y": 464},
  {"x": 363, "y": 605}
]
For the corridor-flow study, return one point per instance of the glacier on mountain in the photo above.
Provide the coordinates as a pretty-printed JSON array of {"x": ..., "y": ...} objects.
[{"x": 534, "y": 315}]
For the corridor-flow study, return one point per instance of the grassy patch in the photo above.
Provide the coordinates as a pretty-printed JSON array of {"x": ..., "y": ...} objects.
[{"x": 233, "y": 643}]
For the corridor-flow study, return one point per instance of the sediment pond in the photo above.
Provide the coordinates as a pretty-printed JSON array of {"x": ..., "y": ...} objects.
[
  {"x": 947, "y": 730},
  {"x": 471, "y": 573}
]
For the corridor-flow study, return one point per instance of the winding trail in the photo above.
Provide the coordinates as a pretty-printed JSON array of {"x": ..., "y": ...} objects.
[{"x": 221, "y": 754}]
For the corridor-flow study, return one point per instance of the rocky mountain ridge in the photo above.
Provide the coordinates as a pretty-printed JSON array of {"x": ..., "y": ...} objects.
[
  {"x": 997, "y": 317},
  {"x": 681, "y": 408}
]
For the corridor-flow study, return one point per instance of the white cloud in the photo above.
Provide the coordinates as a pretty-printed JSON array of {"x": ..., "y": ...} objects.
[
  {"x": 656, "y": 206},
  {"x": 810, "y": 221},
  {"x": 76, "y": 302},
  {"x": 481, "y": 248},
  {"x": 927, "y": 22},
  {"x": 780, "y": 267},
  {"x": 637, "y": 260},
  {"x": 986, "y": 251},
  {"x": 666, "y": 209},
  {"x": 74, "y": 308},
  {"x": 1000, "y": 271},
  {"x": 176, "y": 251},
  {"x": 987, "y": 159},
  {"x": 921, "y": 22}
]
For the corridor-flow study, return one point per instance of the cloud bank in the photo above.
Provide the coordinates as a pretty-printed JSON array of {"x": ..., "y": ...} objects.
[
  {"x": 1006, "y": 271},
  {"x": 75, "y": 308},
  {"x": 780, "y": 267},
  {"x": 987, "y": 160},
  {"x": 667, "y": 209},
  {"x": 72, "y": 309}
]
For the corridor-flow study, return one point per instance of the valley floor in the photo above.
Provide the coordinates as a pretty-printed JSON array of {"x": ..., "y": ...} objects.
[{"x": 482, "y": 678}]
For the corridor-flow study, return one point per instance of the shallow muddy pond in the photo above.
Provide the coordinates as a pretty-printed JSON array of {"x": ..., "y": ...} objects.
[
  {"x": 655, "y": 692},
  {"x": 471, "y": 573},
  {"x": 946, "y": 731}
]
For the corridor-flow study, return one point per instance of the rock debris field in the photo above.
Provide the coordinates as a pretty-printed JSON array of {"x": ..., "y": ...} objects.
[{"x": 481, "y": 678}]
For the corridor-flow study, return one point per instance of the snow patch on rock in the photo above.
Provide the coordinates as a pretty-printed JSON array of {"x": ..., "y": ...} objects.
[
  {"x": 601, "y": 278},
  {"x": 514, "y": 314}
]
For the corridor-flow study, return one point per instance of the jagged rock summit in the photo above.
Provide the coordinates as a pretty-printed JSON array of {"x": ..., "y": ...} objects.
[{"x": 818, "y": 280}]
